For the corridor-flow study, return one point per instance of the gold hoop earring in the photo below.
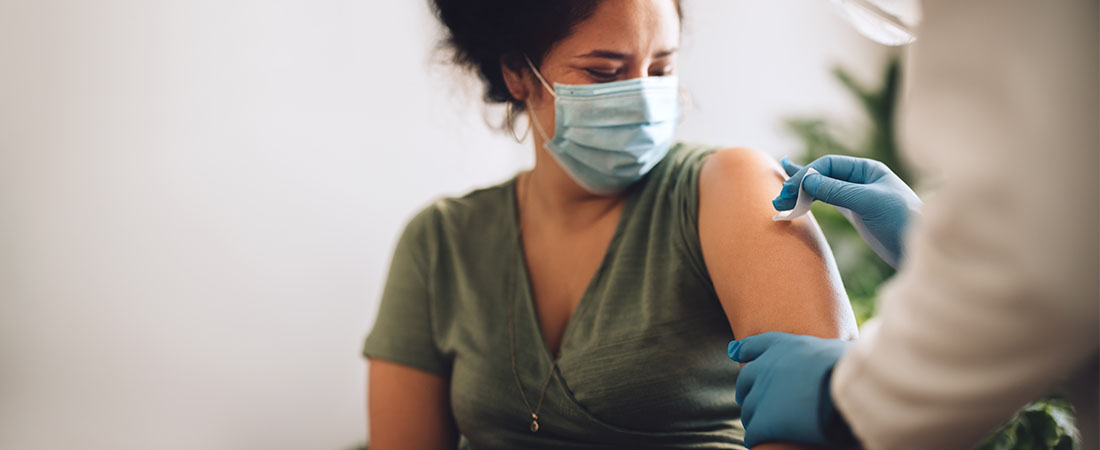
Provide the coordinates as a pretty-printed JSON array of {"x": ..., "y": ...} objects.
[{"x": 510, "y": 122}]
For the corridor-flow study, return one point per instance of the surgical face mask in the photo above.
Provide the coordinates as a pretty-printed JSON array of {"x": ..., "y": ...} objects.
[{"x": 609, "y": 135}]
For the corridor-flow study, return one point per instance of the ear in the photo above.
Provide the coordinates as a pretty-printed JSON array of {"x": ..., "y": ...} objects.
[{"x": 513, "y": 70}]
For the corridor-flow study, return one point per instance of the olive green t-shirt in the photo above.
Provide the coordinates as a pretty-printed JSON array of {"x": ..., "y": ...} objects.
[{"x": 642, "y": 362}]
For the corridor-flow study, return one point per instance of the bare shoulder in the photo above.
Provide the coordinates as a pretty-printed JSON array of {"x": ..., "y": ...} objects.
[
  {"x": 743, "y": 159},
  {"x": 769, "y": 276},
  {"x": 739, "y": 178}
]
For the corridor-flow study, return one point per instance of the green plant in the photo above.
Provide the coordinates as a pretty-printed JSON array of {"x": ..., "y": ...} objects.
[{"x": 1046, "y": 424}]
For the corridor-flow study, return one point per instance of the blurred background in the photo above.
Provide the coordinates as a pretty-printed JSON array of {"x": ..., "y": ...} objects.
[{"x": 199, "y": 199}]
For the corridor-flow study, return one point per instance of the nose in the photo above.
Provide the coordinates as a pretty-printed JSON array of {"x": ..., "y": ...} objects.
[{"x": 638, "y": 69}]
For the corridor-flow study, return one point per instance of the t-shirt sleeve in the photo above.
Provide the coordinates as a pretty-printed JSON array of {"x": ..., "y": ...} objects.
[
  {"x": 685, "y": 195},
  {"x": 403, "y": 331}
]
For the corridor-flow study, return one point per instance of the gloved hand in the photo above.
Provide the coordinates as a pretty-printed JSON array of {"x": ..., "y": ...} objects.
[
  {"x": 784, "y": 389},
  {"x": 867, "y": 192}
]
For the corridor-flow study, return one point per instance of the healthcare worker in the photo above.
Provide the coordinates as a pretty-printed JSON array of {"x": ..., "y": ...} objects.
[{"x": 996, "y": 300}]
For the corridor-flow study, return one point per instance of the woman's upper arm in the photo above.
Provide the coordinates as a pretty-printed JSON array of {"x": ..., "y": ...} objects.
[
  {"x": 408, "y": 409},
  {"x": 769, "y": 276}
]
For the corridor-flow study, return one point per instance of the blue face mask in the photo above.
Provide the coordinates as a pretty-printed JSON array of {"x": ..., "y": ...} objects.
[{"x": 609, "y": 135}]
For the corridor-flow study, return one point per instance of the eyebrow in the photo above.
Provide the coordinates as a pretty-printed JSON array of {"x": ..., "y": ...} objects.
[{"x": 610, "y": 54}]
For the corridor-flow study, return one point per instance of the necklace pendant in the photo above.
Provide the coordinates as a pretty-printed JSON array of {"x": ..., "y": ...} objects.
[{"x": 534, "y": 423}]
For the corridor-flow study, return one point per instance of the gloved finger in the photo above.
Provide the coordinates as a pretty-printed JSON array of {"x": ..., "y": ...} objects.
[
  {"x": 784, "y": 203},
  {"x": 790, "y": 186},
  {"x": 759, "y": 416},
  {"x": 762, "y": 433},
  {"x": 750, "y": 348},
  {"x": 788, "y": 195},
  {"x": 836, "y": 192},
  {"x": 746, "y": 379},
  {"x": 750, "y": 438},
  {"x": 748, "y": 401},
  {"x": 847, "y": 168},
  {"x": 789, "y": 167}
]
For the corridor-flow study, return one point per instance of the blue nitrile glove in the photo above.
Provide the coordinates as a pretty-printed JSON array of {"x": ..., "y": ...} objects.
[
  {"x": 783, "y": 389},
  {"x": 867, "y": 192}
]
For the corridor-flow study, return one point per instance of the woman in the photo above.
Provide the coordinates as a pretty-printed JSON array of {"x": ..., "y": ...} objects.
[{"x": 587, "y": 302}]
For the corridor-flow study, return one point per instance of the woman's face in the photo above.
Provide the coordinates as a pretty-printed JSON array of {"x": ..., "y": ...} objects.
[{"x": 622, "y": 40}]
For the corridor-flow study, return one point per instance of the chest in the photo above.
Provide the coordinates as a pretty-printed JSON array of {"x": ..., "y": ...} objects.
[
  {"x": 643, "y": 354},
  {"x": 561, "y": 267},
  {"x": 638, "y": 359}
]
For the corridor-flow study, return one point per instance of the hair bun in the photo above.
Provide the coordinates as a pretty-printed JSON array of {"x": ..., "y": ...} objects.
[{"x": 482, "y": 32}]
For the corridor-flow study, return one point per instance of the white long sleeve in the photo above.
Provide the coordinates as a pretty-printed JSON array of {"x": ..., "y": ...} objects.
[{"x": 998, "y": 298}]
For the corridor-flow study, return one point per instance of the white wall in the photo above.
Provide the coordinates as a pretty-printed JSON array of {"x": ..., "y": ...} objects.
[{"x": 198, "y": 198}]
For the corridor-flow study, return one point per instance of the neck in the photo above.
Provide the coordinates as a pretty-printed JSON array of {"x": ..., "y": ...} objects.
[{"x": 550, "y": 197}]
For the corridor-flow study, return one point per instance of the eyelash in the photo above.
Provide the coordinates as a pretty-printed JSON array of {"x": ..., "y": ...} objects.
[
  {"x": 601, "y": 75},
  {"x": 607, "y": 76},
  {"x": 666, "y": 70}
]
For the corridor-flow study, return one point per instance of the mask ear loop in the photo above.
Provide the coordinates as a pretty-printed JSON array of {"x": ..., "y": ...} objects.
[
  {"x": 530, "y": 111},
  {"x": 539, "y": 76},
  {"x": 535, "y": 121}
]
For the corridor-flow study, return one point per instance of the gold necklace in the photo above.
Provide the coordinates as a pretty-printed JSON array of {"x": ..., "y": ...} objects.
[{"x": 512, "y": 330}]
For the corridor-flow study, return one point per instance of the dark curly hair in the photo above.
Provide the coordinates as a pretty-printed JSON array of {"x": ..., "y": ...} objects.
[{"x": 482, "y": 32}]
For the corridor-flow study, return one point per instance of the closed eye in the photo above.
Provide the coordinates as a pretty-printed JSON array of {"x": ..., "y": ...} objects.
[
  {"x": 663, "y": 71},
  {"x": 603, "y": 75}
]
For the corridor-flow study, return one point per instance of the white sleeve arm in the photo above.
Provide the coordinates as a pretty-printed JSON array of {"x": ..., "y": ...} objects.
[{"x": 998, "y": 298}]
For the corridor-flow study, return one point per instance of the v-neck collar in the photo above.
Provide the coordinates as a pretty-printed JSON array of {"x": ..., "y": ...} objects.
[{"x": 523, "y": 279}]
